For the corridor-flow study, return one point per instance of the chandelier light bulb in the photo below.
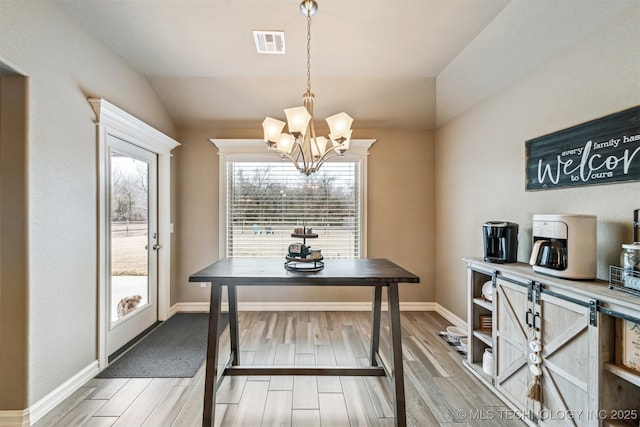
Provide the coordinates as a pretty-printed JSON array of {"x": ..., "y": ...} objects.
[
  {"x": 319, "y": 146},
  {"x": 298, "y": 120},
  {"x": 272, "y": 129},
  {"x": 285, "y": 143},
  {"x": 339, "y": 125}
]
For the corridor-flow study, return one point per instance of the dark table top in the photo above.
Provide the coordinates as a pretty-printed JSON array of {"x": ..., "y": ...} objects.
[{"x": 271, "y": 271}]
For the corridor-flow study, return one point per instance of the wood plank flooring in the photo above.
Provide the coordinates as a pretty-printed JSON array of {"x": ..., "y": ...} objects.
[{"x": 440, "y": 392}]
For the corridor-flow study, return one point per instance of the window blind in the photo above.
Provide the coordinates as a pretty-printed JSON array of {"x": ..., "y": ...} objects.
[{"x": 266, "y": 201}]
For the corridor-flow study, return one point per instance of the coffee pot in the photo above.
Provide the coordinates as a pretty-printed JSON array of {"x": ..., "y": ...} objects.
[
  {"x": 549, "y": 254},
  {"x": 564, "y": 245}
]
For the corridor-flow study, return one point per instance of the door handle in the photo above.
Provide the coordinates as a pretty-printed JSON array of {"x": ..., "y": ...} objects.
[
  {"x": 156, "y": 247},
  {"x": 536, "y": 321},
  {"x": 527, "y": 318}
]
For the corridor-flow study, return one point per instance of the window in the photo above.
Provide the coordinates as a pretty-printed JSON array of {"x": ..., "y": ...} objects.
[
  {"x": 267, "y": 200},
  {"x": 263, "y": 199}
]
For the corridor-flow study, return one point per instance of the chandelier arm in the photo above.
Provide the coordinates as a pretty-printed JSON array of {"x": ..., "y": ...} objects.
[
  {"x": 291, "y": 158},
  {"x": 330, "y": 154},
  {"x": 301, "y": 154}
]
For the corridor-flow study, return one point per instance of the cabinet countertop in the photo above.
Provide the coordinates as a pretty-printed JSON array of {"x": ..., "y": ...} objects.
[{"x": 593, "y": 289}]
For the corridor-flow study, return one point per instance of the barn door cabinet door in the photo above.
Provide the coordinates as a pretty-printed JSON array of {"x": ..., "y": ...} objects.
[
  {"x": 570, "y": 367},
  {"x": 512, "y": 374},
  {"x": 567, "y": 355}
]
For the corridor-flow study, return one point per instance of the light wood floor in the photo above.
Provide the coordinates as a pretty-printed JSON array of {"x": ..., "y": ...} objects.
[{"x": 440, "y": 392}]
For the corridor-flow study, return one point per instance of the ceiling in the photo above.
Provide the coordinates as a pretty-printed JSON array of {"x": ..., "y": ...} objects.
[{"x": 377, "y": 60}]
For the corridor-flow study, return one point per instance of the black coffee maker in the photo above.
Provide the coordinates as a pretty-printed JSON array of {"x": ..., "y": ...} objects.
[{"x": 500, "y": 241}]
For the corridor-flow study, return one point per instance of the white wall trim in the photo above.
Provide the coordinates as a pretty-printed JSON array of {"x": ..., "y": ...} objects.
[
  {"x": 203, "y": 307},
  {"x": 133, "y": 129},
  {"x": 255, "y": 150},
  {"x": 450, "y": 316},
  {"x": 14, "y": 418},
  {"x": 53, "y": 399},
  {"x": 111, "y": 120}
]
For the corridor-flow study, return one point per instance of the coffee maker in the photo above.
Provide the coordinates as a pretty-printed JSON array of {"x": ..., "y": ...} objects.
[
  {"x": 500, "y": 241},
  {"x": 564, "y": 245}
]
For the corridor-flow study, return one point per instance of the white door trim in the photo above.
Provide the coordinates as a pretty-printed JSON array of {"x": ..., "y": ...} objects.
[{"x": 111, "y": 120}]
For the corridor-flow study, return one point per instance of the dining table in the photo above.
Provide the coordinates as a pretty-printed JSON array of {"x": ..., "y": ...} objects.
[{"x": 376, "y": 273}]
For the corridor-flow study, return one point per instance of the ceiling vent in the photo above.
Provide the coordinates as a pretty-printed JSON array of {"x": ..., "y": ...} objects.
[{"x": 269, "y": 41}]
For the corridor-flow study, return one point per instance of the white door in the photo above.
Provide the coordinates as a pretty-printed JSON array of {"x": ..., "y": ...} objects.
[{"x": 132, "y": 242}]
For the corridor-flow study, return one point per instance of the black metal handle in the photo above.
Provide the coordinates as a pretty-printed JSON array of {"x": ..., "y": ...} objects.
[
  {"x": 527, "y": 318},
  {"x": 536, "y": 321}
]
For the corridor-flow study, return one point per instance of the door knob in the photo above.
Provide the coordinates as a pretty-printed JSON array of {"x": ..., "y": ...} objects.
[{"x": 156, "y": 247}]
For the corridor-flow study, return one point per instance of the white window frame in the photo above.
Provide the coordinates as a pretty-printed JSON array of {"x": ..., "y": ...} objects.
[{"x": 255, "y": 150}]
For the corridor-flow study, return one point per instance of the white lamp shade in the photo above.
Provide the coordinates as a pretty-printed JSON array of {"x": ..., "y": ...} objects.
[
  {"x": 297, "y": 120},
  {"x": 340, "y": 125},
  {"x": 318, "y": 146},
  {"x": 285, "y": 143},
  {"x": 341, "y": 146},
  {"x": 272, "y": 129}
]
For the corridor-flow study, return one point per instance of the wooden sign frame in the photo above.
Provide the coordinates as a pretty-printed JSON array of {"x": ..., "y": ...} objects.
[{"x": 601, "y": 151}]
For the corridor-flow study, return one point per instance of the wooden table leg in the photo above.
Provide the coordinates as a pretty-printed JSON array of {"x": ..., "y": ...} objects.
[
  {"x": 375, "y": 324},
  {"x": 396, "y": 355},
  {"x": 233, "y": 325},
  {"x": 211, "y": 374}
]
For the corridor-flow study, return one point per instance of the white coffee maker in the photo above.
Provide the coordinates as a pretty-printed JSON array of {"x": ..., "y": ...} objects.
[{"x": 565, "y": 245}]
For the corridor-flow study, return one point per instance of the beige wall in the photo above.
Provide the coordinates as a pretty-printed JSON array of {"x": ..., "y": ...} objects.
[
  {"x": 65, "y": 66},
  {"x": 480, "y": 154},
  {"x": 400, "y": 213}
]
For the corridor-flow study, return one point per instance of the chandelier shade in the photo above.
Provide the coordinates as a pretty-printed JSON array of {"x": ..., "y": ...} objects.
[{"x": 300, "y": 144}]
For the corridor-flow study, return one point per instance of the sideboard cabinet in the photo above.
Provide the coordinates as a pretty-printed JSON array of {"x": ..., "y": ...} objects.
[{"x": 555, "y": 346}]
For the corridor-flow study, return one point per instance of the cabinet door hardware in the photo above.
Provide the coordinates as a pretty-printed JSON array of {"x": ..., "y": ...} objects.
[
  {"x": 538, "y": 288},
  {"x": 593, "y": 312},
  {"x": 529, "y": 318},
  {"x": 617, "y": 314},
  {"x": 515, "y": 282},
  {"x": 564, "y": 297},
  {"x": 536, "y": 321}
]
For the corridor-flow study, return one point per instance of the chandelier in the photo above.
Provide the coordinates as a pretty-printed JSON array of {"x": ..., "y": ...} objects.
[{"x": 301, "y": 145}]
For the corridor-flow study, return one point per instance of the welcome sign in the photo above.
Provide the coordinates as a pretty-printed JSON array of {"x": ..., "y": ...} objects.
[{"x": 601, "y": 151}]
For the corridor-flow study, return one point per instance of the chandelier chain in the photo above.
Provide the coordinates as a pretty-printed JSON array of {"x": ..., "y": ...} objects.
[{"x": 308, "y": 52}]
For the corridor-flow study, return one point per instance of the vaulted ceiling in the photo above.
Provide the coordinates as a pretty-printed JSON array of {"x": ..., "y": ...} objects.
[{"x": 381, "y": 61}]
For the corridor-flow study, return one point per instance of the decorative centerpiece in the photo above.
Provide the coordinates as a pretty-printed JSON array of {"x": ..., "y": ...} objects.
[{"x": 302, "y": 257}]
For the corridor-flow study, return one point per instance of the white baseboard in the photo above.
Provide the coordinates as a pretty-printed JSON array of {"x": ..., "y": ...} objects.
[
  {"x": 16, "y": 418},
  {"x": 450, "y": 316},
  {"x": 203, "y": 307},
  {"x": 53, "y": 399}
]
